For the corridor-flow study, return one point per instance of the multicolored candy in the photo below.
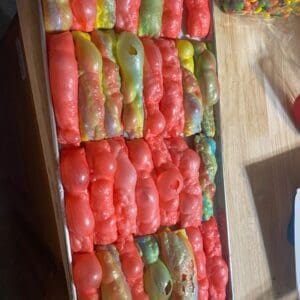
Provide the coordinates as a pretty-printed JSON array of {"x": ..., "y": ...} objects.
[
  {"x": 106, "y": 14},
  {"x": 91, "y": 96},
  {"x": 193, "y": 107},
  {"x": 157, "y": 278},
  {"x": 150, "y": 17},
  {"x": 177, "y": 254},
  {"x": 114, "y": 284},
  {"x": 130, "y": 55},
  {"x": 106, "y": 42},
  {"x": 57, "y": 15}
]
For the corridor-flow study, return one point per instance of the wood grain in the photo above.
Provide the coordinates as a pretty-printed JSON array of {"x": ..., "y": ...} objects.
[{"x": 261, "y": 153}]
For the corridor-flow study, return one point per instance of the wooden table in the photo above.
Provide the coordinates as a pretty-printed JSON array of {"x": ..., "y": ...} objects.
[
  {"x": 261, "y": 148},
  {"x": 261, "y": 151}
]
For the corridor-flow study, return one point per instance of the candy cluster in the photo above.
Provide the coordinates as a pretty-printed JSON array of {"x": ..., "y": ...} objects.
[
  {"x": 106, "y": 84},
  {"x": 264, "y": 8},
  {"x": 143, "y": 17},
  {"x": 138, "y": 196}
]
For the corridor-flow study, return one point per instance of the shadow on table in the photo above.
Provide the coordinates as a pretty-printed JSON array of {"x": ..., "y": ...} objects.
[{"x": 274, "y": 182}]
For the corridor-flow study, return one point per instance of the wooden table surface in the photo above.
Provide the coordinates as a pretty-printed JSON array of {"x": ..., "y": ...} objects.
[
  {"x": 259, "y": 72},
  {"x": 261, "y": 149}
]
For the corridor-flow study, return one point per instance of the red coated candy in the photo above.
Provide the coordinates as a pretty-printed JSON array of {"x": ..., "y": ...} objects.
[
  {"x": 124, "y": 188},
  {"x": 103, "y": 166},
  {"x": 195, "y": 238},
  {"x": 169, "y": 181},
  {"x": 216, "y": 267},
  {"x": 217, "y": 273},
  {"x": 199, "y": 18},
  {"x": 80, "y": 222},
  {"x": 132, "y": 266},
  {"x": 74, "y": 170},
  {"x": 84, "y": 14},
  {"x": 146, "y": 194},
  {"x": 64, "y": 86},
  {"x": 171, "y": 19},
  {"x": 87, "y": 274},
  {"x": 211, "y": 238},
  {"x": 190, "y": 198},
  {"x": 153, "y": 89},
  {"x": 171, "y": 104},
  {"x": 296, "y": 111},
  {"x": 101, "y": 161},
  {"x": 127, "y": 15}
]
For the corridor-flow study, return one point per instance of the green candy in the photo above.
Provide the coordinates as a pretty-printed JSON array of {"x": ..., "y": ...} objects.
[
  {"x": 208, "y": 207},
  {"x": 149, "y": 248},
  {"x": 208, "y": 122},
  {"x": 157, "y": 279},
  {"x": 150, "y": 17},
  {"x": 206, "y": 148},
  {"x": 177, "y": 254},
  {"x": 206, "y": 73},
  {"x": 130, "y": 56},
  {"x": 239, "y": 6}
]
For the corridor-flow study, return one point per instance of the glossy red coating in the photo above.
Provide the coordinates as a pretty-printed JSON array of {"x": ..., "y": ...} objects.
[
  {"x": 103, "y": 167},
  {"x": 217, "y": 269},
  {"x": 127, "y": 15},
  {"x": 87, "y": 274},
  {"x": 132, "y": 266},
  {"x": 64, "y": 86},
  {"x": 153, "y": 89},
  {"x": 80, "y": 222},
  {"x": 195, "y": 238},
  {"x": 296, "y": 111},
  {"x": 171, "y": 104},
  {"x": 199, "y": 18},
  {"x": 84, "y": 14},
  {"x": 169, "y": 181},
  {"x": 190, "y": 198},
  {"x": 146, "y": 194},
  {"x": 74, "y": 170},
  {"x": 124, "y": 188},
  {"x": 172, "y": 18}
]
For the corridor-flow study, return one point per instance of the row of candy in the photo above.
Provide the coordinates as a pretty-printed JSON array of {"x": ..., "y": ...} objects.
[
  {"x": 182, "y": 264},
  {"x": 110, "y": 84},
  {"x": 265, "y": 8},
  {"x": 143, "y": 17},
  {"x": 115, "y": 188}
]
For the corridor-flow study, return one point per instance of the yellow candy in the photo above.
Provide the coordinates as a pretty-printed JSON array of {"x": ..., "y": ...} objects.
[
  {"x": 84, "y": 35},
  {"x": 186, "y": 54},
  {"x": 258, "y": 9},
  {"x": 106, "y": 14}
]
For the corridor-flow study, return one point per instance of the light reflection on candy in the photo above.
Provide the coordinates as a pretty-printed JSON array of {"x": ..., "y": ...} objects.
[
  {"x": 130, "y": 55},
  {"x": 177, "y": 254},
  {"x": 113, "y": 285},
  {"x": 193, "y": 107},
  {"x": 90, "y": 98},
  {"x": 106, "y": 43},
  {"x": 106, "y": 14},
  {"x": 57, "y": 15},
  {"x": 157, "y": 279}
]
